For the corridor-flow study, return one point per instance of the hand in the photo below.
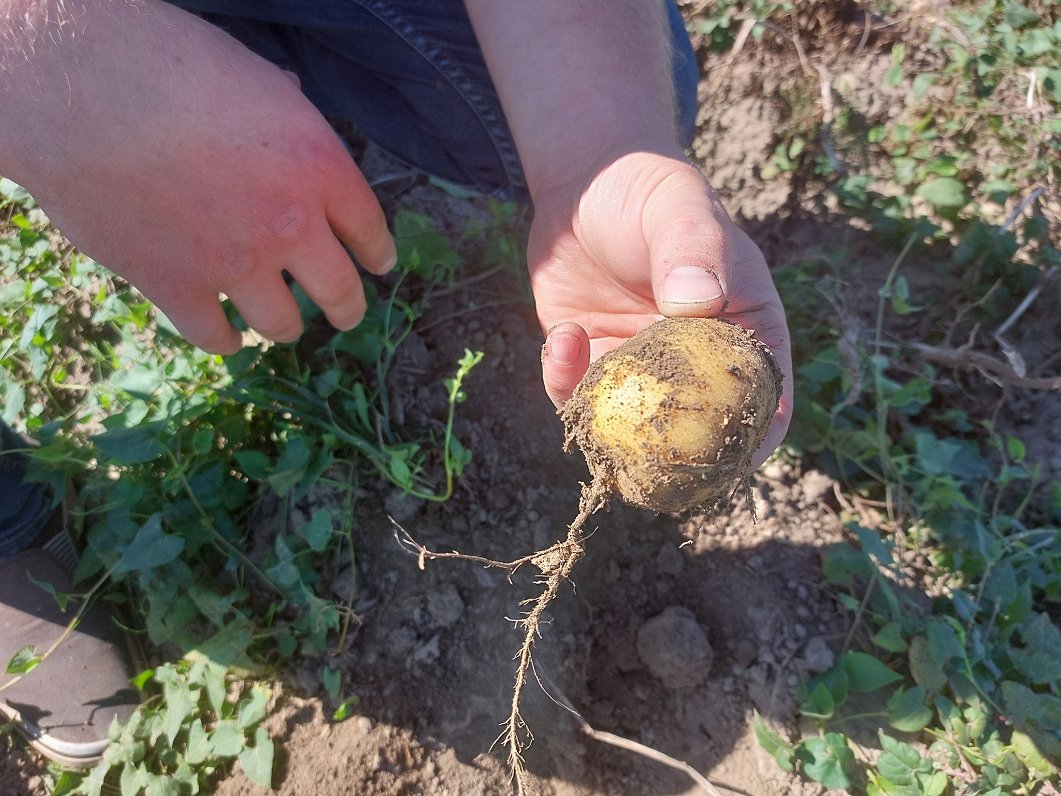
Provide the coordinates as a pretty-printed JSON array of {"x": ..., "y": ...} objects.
[
  {"x": 193, "y": 168},
  {"x": 646, "y": 238}
]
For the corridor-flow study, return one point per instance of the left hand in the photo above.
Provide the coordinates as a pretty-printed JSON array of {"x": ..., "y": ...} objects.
[{"x": 646, "y": 238}]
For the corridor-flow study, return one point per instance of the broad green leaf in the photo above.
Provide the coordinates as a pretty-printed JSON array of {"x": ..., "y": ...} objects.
[
  {"x": 150, "y": 548},
  {"x": 866, "y": 673},
  {"x": 251, "y": 711},
  {"x": 1018, "y": 15},
  {"x": 907, "y": 711},
  {"x": 227, "y": 739},
  {"x": 1039, "y": 660},
  {"x": 133, "y": 780},
  {"x": 1022, "y": 704},
  {"x": 161, "y": 786},
  {"x": 257, "y": 760},
  {"x": 198, "y": 747},
  {"x": 945, "y": 193},
  {"x": 135, "y": 445},
  {"x": 830, "y": 760},
  {"x": 178, "y": 705},
  {"x": 1030, "y": 754},
  {"x": 900, "y": 763}
]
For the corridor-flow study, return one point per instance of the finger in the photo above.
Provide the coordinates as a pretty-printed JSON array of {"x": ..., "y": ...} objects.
[
  {"x": 685, "y": 231},
  {"x": 332, "y": 281},
  {"x": 565, "y": 357},
  {"x": 768, "y": 324},
  {"x": 357, "y": 218},
  {"x": 200, "y": 319},
  {"x": 267, "y": 306}
]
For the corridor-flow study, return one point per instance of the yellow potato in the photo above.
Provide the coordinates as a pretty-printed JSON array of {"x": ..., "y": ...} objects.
[{"x": 671, "y": 419}]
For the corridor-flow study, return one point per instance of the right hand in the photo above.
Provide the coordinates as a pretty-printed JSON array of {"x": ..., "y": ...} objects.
[{"x": 192, "y": 168}]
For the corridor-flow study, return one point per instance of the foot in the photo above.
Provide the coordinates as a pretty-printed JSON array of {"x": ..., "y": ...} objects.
[{"x": 65, "y": 705}]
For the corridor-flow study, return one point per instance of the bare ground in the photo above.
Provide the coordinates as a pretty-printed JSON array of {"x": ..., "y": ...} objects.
[{"x": 432, "y": 661}]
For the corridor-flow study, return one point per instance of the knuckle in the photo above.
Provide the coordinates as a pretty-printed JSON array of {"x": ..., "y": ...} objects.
[{"x": 290, "y": 222}]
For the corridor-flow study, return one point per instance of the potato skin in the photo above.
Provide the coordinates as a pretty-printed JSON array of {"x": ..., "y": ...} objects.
[{"x": 671, "y": 418}]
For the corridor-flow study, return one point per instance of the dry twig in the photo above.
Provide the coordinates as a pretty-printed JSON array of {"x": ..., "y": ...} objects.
[{"x": 993, "y": 368}]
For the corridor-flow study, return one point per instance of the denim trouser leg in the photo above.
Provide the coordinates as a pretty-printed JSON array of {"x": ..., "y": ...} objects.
[
  {"x": 25, "y": 507},
  {"x": 410, "y": 76}
]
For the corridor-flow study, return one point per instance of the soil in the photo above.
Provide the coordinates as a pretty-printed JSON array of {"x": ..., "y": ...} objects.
[{"x": 674, "y": 631}]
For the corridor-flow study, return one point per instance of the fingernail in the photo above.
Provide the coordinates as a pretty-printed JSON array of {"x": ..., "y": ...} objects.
[
  {"x": 690, "y": 284},
  {"x": 564, "y": 348}
]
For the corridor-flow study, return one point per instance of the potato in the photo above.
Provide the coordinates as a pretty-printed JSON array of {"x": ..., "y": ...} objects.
[{"x": 671, "y": 419}]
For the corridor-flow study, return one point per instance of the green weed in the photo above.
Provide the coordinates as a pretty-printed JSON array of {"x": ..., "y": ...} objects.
[{"x": 180, "y": 456}]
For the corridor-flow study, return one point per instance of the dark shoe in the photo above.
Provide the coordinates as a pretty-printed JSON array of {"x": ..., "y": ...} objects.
[{"x": 65, "y": 705}]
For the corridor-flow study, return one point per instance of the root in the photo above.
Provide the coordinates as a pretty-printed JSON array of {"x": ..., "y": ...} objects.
[
  {"x": 556, "y": 695},
  {"x": 556, "y": 564}
]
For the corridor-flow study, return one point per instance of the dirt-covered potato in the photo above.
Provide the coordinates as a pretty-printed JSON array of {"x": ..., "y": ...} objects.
[{"x": 671, "y": 419}]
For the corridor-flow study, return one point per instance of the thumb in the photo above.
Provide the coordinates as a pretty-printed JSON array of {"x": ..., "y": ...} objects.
[
  {"x": 685, "y": 230},
  {"x": 690, "y": 291}
]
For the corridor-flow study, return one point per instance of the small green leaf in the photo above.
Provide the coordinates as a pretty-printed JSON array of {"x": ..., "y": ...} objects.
[
  {"x": 830, "y": 760},
  {"x": 342, "y": 713},
  {"x": 150, "y": 548},
  {"x": 251, "y": 711},
  {"x": 946, "y": 193},
  {"x": 925, "y": 670},
  {"x": 290, "y": 467},
  {"x": 254, "y": 464},
  {"x": 819, "y": 704},
  {"x": 203, "y": 441},
  {"x": 198, "y": 747},
  {"x": 907, "y": 711},
  {"x": 333, "y": 681},
  {"x": 866, "y": 673},
  {"x": 775, "y": 746},
  {"x": 890, "y": 638},
  {"x": 257, "y": 760},
  {"x": 178, "y": 706},
  {"x": 24, "y": 660},
  {"x": 318, "y": 531}
]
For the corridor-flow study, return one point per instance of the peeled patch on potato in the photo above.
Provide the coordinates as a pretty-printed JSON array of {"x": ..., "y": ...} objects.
[{"x": 671, "y": 419}]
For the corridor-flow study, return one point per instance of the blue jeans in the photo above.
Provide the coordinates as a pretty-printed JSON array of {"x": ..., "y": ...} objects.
[
  {"x": 25, "y": 506},
  {"x": 410, "y": 76}
]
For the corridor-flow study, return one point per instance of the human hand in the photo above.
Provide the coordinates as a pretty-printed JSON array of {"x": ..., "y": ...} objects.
[
  {"x": 646, "y": 238},
  {"x": 192, "y": 167}
]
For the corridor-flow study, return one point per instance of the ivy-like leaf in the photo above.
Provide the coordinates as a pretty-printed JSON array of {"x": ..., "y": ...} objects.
[{"x": 830, "y": 760}]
